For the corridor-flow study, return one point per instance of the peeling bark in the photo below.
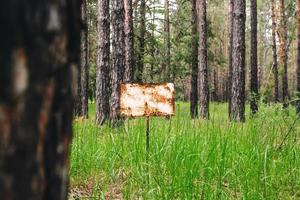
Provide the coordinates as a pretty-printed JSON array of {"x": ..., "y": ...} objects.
[{"x": 39, "y": 62}]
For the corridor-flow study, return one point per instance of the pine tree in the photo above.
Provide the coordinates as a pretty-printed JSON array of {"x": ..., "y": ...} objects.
[
  {"x": 238, "y": 62},
  {"x": 203, "y": 90},
  {"x": 39, "y": 62}
]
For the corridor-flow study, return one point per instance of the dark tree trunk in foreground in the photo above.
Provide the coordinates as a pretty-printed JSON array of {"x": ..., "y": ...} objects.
[
  {"x": 274, "y": 50},
  {"x": 298, "y": 57},
  {"x": 238, "y": 62},
  {"x": 167, "y": 43},
  {"x": 129, "y": 47},
  {"x": 39, "y": 59},
  {"x": 253, "y": 60},
  {"x": 84, "y": 60},
  {"x": 230, "y": 31},
  {"x": 203, "y": 90},
  {"x": 141, "y": 42},
  {"x": 282, "y": 33},
  {"x": 118, "y": 57},
  {"x": 194, "y": 63},
  {"x": 102, "y": 72}
]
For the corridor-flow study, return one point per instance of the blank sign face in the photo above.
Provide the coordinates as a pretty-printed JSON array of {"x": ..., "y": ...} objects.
[{"x": 138, "y": 100}]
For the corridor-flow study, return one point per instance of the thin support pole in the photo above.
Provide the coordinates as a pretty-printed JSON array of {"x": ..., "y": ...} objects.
[{"x": 147, "y": 147}]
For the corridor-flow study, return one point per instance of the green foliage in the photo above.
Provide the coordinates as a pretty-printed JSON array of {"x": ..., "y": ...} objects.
[{"x": 214, "y": 159}]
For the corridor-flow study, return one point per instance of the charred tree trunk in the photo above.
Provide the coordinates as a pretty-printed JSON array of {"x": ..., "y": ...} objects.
[
  {"x": 274, "y": 49},
  {"x": 118, "y": 58},
  {"x": 238, "y": 62},
  {"x": 84, "y": 60},
  {"x": 203, "y": 90},
  {"x": 282, "y": 34},
  {"x": 167, "y": 43},
  {"x": 230, "y": 33},
  {"x": 194, "y": 63},
  {"x": 39, "y": 62},
  {"x": 129, "y": 47},
  {"x": 141, "y": 42},
  {"x": 103, "y": 66},
  {"x": 298, "y": 57},
  {"x": 254, "y": 96}
]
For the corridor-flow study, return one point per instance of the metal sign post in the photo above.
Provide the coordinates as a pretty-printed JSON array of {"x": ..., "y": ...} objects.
[{"x": 146, "y": 100}]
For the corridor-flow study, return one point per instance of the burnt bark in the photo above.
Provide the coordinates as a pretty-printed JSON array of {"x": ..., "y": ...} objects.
[
  {"x": 103, "y": 63},
  {"x": 230, "y": 35},
  {"x": 253, "y": 60},
  {"x": 129, "y": 46},
  {"x": 84, "y": 60},
  {"x": 39, "y": 59},
  {"x": 141, "y": 42},
  {"x": 194, "y": 63},
  {"x": 203, "y": 90},
  {"x": 283, "y": 52},
  {"x": 274, "y": 50},
  {"x": 298, "y": 57},
  {"x": 118, "y": 58},
  {"x": 167, "y": 43},
  {"x": 238, "y": 62}
]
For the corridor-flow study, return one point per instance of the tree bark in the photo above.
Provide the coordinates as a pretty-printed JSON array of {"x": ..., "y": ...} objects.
[
  {"x": 84, "y": 60},
  {"x": 203, "y": 91},
  {"x": 129, "y": 47},
  {"x": 194, "y": 63},
  {"x": 118, "y": 58},
  {"x": 298, "y": 57},
  {"x": 282, "y": 34},
  {"x": 39, "y": 59},
  {"x": 238, "y": 62},
  {"x": 274, "y": 50},
  {"x": 253, "y": 60},
  {"x": 141, "y": 42},
  {"x": 230, "y": 35},
  {"x": 103, "y": 60},
  {"x": 167, "y": 43}
]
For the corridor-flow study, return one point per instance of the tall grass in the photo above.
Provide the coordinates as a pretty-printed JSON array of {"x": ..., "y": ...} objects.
[{"x": 192, "y": 159}]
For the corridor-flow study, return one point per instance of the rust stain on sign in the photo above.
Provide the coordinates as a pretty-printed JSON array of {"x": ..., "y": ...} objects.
[{"x": 138, "y": 100}]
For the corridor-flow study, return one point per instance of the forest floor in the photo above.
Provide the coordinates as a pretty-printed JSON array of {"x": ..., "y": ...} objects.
[{"x": 189, "y": 159}]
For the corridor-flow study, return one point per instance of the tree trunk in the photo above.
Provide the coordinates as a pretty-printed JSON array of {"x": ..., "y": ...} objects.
[
  {"x": 203, "y": 91},
  {"x": 230, "y": 35},
  {"x": 141, "y": 43},
  {"x": 118, "y": 58},
  {"x": 253, "y": 60},
  {"x": 282, "y": 33},
  {"x": 298, "y": 57},
  {"x": 102, "y": 74},
  {"x": 167, "y": 43},
  {"x": 39, "y": 62},
  {"x": 274, "y": 49},
  {"x": 238, "y": 62},
  {"x": 194, "y": 63},
  {"x": 84, "y": 60},
  {"x": 129, "y": 47}
]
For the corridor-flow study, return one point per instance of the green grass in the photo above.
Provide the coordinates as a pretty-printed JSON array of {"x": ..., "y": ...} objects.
[{"x": 191, "y": 159}]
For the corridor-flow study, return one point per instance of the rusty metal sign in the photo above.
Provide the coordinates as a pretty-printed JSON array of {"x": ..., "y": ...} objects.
[{"x": 138, "y": 100}]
